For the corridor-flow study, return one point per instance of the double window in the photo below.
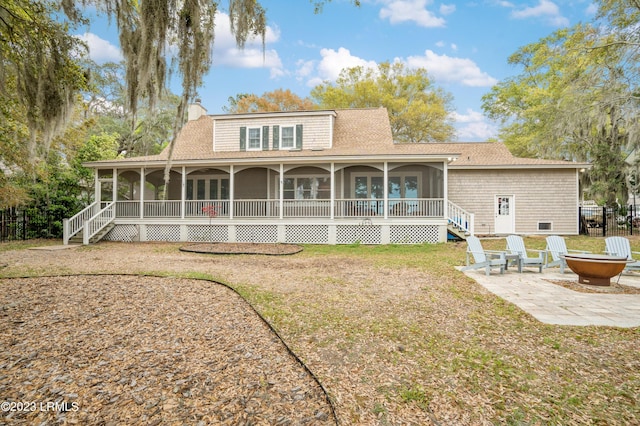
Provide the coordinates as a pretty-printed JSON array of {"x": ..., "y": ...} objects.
[
  {"x": 306, "y": 188},
  {"x": 207, "y": 188},
  {"x": 280, "y": 137},
  {"x": 402, "y": 185}
]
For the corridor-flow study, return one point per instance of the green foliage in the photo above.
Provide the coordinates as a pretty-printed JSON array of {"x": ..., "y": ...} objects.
[
  {"x": 418, "y": 111},
  {"x": 577, "y": 98},
  {"x": 39, "y": 70}
]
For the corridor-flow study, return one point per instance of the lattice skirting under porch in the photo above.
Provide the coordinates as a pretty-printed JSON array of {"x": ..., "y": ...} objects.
[{"x": 281, "y": 233}]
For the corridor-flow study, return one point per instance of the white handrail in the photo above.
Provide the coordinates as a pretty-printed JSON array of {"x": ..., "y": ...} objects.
[
  {"x": 73, "y": 225},
  {"x": 460, "y": 218},
  {"x": 97, "y": 222}
]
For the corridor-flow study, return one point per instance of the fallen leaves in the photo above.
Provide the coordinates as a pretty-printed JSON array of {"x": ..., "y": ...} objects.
[{"x": 129, "y": 349}]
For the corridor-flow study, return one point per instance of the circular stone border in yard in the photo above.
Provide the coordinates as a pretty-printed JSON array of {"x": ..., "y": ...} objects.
[{"x": 269, "y": 249}]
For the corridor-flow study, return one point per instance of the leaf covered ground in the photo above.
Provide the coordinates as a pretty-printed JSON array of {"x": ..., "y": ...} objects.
[{"x": 397, "y": 336}]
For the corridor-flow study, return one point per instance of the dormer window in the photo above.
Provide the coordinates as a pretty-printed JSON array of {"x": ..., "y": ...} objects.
[
  {"x": 288, "y": 137},
  {"x": 254, "y": 141},
  {"x": 283, "y": 137}
]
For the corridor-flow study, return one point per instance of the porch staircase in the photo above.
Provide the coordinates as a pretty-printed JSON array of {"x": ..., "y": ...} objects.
[
  {"x": 79, "y": 237},
  {"x": 460, "y": 222},
  {"x": 90, "y": 225}
]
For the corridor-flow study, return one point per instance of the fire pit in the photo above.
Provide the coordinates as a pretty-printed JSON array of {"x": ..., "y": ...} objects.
[{"x": 595, "y": 269}]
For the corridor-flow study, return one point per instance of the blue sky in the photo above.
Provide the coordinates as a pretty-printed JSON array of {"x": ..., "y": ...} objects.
[{"x": 463, "y": 45}]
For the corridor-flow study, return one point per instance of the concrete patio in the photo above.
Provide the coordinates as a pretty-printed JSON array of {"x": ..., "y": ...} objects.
[{"x": 553, "y": 304}]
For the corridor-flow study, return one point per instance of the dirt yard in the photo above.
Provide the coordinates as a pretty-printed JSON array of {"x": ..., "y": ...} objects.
[{"x": 394, "y": 340}]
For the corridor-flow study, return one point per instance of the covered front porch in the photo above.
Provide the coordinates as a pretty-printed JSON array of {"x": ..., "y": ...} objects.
[{"x": 378, "y": 202}]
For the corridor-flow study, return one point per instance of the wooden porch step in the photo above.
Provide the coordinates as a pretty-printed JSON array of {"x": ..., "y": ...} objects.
[
  {"x": 79, "y": 237},
  {"x": 455, "y": 233}
]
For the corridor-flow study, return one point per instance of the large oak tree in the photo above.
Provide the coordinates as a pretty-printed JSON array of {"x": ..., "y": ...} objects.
[{"x": 418, "y": 111}]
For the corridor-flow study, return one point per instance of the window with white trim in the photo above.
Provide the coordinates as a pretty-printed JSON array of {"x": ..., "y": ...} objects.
[
  {"x": 287, "y": 137},
  {"x": 400, "y": 185},
  {"x": 254, "y": 138},
  {"x": 207, "y": 188},
  {"x": 545, "y": 226},
  {"x": 306, "y": 187}
]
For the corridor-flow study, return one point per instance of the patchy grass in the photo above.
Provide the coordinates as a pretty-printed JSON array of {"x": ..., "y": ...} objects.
[
  {"x": 398, "y": 336},
  {"x": 24, "y": 245}
]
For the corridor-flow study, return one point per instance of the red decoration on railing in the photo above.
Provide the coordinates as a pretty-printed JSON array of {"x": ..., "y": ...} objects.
[{"x": 210, "y": 211}]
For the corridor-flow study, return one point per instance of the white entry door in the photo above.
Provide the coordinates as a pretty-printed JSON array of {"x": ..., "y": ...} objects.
[{"x": 505, "y": 214}]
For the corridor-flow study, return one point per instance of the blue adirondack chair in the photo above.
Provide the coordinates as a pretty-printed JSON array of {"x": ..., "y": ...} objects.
[
  {"x": 557, "y": 247},
  {"x": 620, "y": 246},
  {"x": 483, "y": 258},
  {"x": 515, "y": 245}
]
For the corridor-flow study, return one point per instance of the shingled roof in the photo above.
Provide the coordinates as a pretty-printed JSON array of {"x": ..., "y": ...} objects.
[{"x": 357, "y": 132}]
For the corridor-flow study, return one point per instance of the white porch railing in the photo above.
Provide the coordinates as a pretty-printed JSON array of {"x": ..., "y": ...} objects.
[
  {"x": 307, "y": 208},
  {"x": 343, "y": 208},
  {"x": 460, "y": 218},
  {"x": 398, "y": 207},
  {"x": 72, "y": 226},
  {"x": 256, "y": 208},
  {"x": 97, "y": 222},
  {"x": 162, "y": 208}
]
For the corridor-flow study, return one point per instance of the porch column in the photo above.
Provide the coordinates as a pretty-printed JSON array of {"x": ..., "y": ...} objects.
[
  {"x": 97, "y": 187},
  {"x": 445, "y": 190},
  {"x": 142, "y": 179},
  {"x": 281, "y": 195},
  {"x": 114, "y": 193},
  {"x": 183, "y": 192},
  {"x": 332, "y": 203},
  {"x": 232, "y": 190},
  {"x": 385, "y": 182}
]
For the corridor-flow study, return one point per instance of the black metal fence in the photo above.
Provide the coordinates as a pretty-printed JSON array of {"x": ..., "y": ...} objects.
[
  {"x": 609, "y": 221},
  {"x": 29, "y": 223}
]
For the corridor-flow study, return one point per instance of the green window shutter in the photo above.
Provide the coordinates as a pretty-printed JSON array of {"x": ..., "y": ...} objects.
[
  {"x": 265, "y": 138},
  {"x": 276, "y": 137},
  {"x": 298, "y": 136},
  {"x": 243, "y": 138}
]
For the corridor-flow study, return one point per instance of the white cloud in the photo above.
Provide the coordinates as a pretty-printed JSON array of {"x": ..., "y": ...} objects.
[
  {"x": 443, "y": 68},
  {"x": 305, "y": 68},
  {"x": 447, "y": 9},
  {"x": 591, "y": 10},
  {"x": 332, "y": 62},
  {"x": 545, "y": 9},
  {"x": 473, "y": 126},
  {"x": 225, "y": 51},
  {"x": 398, "y": 11},
  {"x": 100, "y": 50}
]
